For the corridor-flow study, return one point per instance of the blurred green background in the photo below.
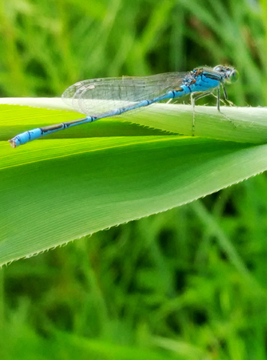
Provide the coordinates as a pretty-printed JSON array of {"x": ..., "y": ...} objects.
[{"x": 186, "y": 284}]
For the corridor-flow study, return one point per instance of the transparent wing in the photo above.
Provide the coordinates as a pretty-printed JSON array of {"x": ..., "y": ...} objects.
[{"x": 98, "y": 96}]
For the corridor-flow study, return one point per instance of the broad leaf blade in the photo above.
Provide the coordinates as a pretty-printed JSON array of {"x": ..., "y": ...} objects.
[{"x": 57, "y": 190}]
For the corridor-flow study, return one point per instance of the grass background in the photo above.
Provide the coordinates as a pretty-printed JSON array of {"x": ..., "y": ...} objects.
[{"x": 186, "y": 284}]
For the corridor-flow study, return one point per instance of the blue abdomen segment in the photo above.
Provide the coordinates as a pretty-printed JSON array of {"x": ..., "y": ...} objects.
[
  {"x": 34, "y": 134},
  {"x": 25, "y": 137}
]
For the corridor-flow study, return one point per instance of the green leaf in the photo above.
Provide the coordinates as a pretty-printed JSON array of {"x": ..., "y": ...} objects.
[{"x": 61, "y": 188}]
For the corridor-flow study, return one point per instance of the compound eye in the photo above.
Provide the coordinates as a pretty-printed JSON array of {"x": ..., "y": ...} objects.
[{"x": 234, "y": 76}]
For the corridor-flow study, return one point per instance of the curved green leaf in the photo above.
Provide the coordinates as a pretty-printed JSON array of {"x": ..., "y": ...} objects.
[{"x": 60, "y": 189}]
